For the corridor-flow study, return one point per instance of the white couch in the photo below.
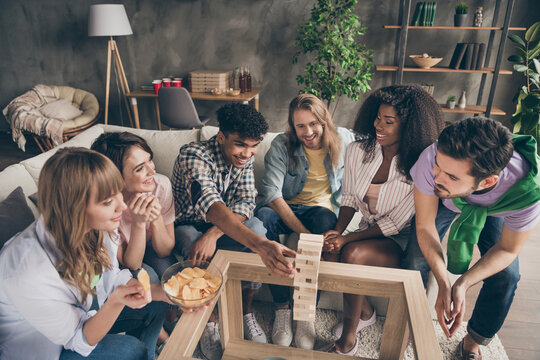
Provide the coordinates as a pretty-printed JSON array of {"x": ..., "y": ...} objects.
[{"x": 165, "y": 145}]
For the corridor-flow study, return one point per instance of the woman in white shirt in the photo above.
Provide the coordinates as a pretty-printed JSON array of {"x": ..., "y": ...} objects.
[
  {"x": 396, "y": 124},
  {"x": 62, "y": 295}
]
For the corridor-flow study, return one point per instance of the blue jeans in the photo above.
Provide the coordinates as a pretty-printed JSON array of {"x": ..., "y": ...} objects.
[
  {"x": 316, "y": 219},
  {"x": 498, "y": 290},
  {"x": 187, "y": 234},
  {"x": 155, "y": 262},
  {"x": 142, "y": 327}
]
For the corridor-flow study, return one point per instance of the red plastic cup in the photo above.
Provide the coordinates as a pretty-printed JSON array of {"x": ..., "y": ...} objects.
[
  {"x": 166, "y": 82},
  {"x": 157, "y": 85},
  {"x": 177, "y": 82}
]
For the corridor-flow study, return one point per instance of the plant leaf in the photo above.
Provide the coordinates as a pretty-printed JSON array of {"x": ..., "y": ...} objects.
[
  {"x": 520, "y": 68},
  {"x": 533, "y": 33},
  {"x": 516, "y": 39},
  {"x": 516, "y": 58}
]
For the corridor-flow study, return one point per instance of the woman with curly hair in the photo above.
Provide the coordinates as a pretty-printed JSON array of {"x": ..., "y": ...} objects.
[
  {"x": 396, "y": 123},
  {"x": 62, "y": 294}
]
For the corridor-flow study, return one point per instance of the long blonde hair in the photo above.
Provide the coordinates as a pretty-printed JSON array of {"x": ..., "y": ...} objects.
[
  {"x": 330, "y": 139},
  {"x": 63, "y": 196}
]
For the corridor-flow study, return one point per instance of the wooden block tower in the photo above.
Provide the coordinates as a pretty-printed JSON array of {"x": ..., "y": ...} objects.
[{"x": 308, "y": 258}]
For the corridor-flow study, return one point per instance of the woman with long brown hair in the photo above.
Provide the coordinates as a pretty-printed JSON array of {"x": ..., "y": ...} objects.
[{"x": 62, "y": 295}]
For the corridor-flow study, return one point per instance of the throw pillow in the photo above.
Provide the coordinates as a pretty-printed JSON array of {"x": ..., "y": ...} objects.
[
  {"x": 60, "y": 109},
  {"x": 15, "y": 215}
]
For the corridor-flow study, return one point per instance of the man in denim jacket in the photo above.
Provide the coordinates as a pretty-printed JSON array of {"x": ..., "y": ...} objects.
[{"x": 301, "y": 191}]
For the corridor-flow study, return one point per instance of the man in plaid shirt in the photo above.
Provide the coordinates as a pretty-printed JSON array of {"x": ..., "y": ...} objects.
[{"x": 214, "y": 192}]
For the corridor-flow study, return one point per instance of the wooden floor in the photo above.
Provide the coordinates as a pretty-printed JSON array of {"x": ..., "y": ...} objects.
[{"x": 520, "y": 334}]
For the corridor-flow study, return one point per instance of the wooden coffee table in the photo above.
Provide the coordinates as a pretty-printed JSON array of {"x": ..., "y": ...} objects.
[{"x": 408, "y": 312}]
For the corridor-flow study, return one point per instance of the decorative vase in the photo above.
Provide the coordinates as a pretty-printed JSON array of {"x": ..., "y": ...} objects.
[
  {"x": 459, "y": 19},
  {"x": 462, "y": 100},
  {"x": 478, "y": 16},
  {"x": 450, "y": 104}
]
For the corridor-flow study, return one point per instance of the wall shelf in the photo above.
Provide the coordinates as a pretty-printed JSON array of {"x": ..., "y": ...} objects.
[
  {"x": 400, "y": 55},
  {"x": 472, "y": 109},
  {"x": 442, "y": 70},
  {"x": 455, "y": 27}
]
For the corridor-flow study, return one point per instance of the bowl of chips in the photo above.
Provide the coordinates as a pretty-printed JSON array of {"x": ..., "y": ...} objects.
[{"x": 192, "y": 284}]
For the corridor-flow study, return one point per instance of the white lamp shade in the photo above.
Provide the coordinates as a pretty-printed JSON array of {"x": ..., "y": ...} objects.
[{"x": 108, "y": 20}]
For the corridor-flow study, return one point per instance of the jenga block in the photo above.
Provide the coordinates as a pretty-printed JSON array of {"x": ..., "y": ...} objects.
[{"x": 308, "y": 257}]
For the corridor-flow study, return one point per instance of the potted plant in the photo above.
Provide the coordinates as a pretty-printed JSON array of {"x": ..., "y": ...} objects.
[
  {"x": 451, "y": 102},
  {"x": 526, "y": 119},
  {"x": 339, "y": 64},
  {"x": 461, "y": 13}
]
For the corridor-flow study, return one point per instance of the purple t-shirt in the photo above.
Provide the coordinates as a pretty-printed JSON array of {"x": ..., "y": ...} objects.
[{"x": 518, "y": 167}]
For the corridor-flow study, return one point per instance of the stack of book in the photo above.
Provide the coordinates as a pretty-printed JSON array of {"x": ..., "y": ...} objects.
[
  {"x": 468, "y": 56},
  {"x": 424, "y": 14}
]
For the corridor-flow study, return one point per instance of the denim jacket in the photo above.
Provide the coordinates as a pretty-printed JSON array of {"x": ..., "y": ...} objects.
[{"x": 280, "y": 181}]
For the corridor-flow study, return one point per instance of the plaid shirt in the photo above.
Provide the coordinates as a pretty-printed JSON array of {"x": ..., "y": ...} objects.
[{"x": 198, "y": 181}]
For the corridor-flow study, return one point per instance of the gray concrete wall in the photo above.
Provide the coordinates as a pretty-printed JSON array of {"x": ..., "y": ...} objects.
[{"x": 46, "y": 42}]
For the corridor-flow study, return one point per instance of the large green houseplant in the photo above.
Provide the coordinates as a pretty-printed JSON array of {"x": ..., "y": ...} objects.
[
  {"x": 526, "y": 119},
  {"x": 339, "y": 63}
]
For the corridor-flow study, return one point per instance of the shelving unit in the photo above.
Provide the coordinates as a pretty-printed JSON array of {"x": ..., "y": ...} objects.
[{"x": 401, "y": 49}]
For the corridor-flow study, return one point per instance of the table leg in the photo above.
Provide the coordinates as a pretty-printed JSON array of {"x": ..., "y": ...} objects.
[
  {"x": 135, "y": 112},
  {"x": 158, "y": 118}
]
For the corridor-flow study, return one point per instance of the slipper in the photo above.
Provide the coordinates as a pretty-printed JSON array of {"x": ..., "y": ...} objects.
[
  {"x": 336, "y": 349},
  {"x": 338, "y": 329}
]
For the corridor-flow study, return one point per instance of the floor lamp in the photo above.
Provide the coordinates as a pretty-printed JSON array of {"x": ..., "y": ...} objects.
[{"x": 111, "y": 20}]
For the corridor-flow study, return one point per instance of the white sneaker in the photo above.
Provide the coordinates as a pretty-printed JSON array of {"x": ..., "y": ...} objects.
[
  {"x": 338, "y": 329},
  {"x": 252, "y": 329},
  {"x": 282, "y": 331},
  {"x": 304, "y": 335},
  {"x": 211, "y": 342}
]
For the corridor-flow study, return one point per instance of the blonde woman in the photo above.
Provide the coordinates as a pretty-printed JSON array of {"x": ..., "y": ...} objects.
[
  {"x": 62, "y": 295},
  {"x": 301, "y": 191}
]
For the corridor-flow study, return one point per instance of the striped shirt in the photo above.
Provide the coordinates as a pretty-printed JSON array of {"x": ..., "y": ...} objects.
[
  {"x": 395, "y": 206},
  {"x": 200, "y": 177}
]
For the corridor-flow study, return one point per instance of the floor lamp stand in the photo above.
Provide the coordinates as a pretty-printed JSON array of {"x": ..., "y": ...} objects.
[{"x": 112, "y": 48}]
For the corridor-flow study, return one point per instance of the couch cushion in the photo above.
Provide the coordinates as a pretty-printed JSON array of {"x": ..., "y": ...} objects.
[
  {"x": 60, "y": 109},
  {"x": 14, "y": 176},
  {"x": 164, "y": 144},
  {"x": 15, "y": 215},
  {"x": 84, "y": 139}
]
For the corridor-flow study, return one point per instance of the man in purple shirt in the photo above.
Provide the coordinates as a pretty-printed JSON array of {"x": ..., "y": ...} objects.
[{"x": 476, "y": 170}]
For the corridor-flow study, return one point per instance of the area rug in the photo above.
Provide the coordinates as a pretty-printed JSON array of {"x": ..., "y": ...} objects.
[{"x": 370, "y": 337}]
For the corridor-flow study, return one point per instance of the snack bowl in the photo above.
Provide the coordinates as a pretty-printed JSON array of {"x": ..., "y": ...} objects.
[
  {"x": 234, "y": 92},
  {"x": 425, "y": 62},
  {"x": 203, "y": 283}
]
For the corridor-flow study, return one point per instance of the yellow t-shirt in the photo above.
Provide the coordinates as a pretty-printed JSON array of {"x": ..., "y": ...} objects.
[{"x": 316, "y": 191}]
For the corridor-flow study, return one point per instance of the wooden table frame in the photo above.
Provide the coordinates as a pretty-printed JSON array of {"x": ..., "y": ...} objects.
[
  {"x": 408, "y": 311},
  {"x": 134, "y": 95}
]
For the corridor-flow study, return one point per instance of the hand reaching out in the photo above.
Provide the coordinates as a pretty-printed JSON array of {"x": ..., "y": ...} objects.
[{"x": 273, "y": 256}]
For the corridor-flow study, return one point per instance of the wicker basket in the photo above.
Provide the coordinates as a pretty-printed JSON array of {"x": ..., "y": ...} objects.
[{"x": 425, "y": 62}]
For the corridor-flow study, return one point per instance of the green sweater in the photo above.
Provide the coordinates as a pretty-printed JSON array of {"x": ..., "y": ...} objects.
[{"x": 466, "y": 229}]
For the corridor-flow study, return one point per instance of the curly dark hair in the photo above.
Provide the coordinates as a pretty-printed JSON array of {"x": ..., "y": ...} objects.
[
  {"x": 115, "y": 146},
  {"x": 420, "y": 116},
  {"x": 243, "y": 120},
  {"x": 485, "y": 142}
]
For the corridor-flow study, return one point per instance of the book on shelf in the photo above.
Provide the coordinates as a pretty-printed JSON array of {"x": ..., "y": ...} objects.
[
  {"x": 417, "y": 13},
  {"x": 424, "y": 14},
  {"x": 476, "y": 47},
  {"x": 434, "y": 9},
  {"x": 481, "y": 56},
  {"x": 459, "y": 52},
  {"x": 467, "y": 58}
]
